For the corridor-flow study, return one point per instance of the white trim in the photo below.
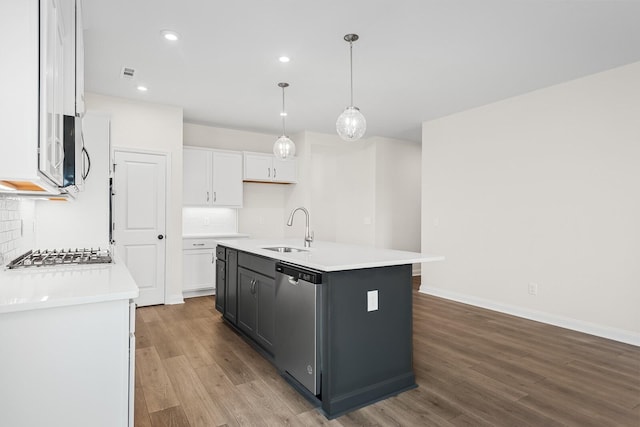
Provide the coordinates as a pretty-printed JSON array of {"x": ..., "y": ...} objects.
[
  {"x": 173, "y": 299},
  {"x": 416, "y": 269},
  {"x": 198, "y": 293},
  {"x": 615, "y": 334}
]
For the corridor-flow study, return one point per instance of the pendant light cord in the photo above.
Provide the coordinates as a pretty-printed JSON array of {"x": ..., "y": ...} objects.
[
  {"x": 351, "y": 69},
  {"x": 283, "y": 112}
]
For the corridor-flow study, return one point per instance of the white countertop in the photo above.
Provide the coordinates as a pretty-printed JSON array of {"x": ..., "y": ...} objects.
[
  {"x": 45, "y": 287},
  {"x": 330, "y": 256},
  {"x": 229, "y": 235}
]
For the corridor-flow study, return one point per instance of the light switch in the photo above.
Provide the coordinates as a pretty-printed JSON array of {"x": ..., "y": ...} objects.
[{"x": 372, "y": 300}]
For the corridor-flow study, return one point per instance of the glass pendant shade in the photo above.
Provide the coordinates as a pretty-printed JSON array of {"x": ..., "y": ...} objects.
[
  {"x": 351, "y": 124},
  {"x": 284, "y": 148}
]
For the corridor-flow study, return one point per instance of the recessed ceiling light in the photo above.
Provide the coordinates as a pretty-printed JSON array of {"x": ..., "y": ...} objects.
[
  {"x": 170, "y": 35},
  {"x": 142, "y": 88},
  {"x": 284, "y": 59},
  {"x": 283, "y": 114}
]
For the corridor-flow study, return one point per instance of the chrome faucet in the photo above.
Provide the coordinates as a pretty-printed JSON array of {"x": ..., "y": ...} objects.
[{"x": 308, "y": 234}]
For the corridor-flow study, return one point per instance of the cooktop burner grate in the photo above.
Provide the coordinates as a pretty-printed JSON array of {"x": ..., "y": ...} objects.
[{"x": 55, "y": 257}]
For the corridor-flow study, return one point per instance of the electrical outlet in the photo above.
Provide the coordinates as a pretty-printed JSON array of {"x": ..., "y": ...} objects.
[
  {"x": 372, "y": 300},
  {"x": 533, "y": 288}
]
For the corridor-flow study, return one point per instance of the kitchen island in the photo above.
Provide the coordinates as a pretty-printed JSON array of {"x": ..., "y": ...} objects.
[
  {"x": 362, "y": 299},
  {"x": 67, "y": 345}
]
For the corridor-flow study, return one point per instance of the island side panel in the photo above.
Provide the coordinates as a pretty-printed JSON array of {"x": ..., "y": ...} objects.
[{"x": 367, "y": 355}]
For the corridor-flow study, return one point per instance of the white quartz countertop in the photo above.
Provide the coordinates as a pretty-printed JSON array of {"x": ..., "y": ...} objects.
[
  {"x": 56, "y": 286},
  {"x": 229, "y": 235},
  {"x": 330, "y": 256}
]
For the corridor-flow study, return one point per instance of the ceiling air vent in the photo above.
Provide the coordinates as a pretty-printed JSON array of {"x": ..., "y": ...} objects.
[{"x": 127, "y": 73}]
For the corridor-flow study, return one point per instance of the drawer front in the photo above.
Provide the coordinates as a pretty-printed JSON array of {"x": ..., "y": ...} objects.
[
  {"x": 265, "y": 266},
  {"x": 199, "y": 243}
]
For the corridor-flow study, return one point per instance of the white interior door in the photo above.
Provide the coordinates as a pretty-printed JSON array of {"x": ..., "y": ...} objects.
[{"x": 139, "y": 217}]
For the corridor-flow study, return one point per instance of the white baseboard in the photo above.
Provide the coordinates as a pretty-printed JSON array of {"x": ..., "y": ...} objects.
[
  {"x": 198, "y": 293},
  {"x": 416, "y": 270},
  {"x": 615, "y": 334},
  {"x": 174, "y": 299}
]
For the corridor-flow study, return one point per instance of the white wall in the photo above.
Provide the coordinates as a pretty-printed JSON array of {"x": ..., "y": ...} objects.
[
  {"x": 340, "y": 189},
  {"x": 541, "y": 188},
  {"x": 153, "y": 127},
  {"x": 398, "y": 194}
]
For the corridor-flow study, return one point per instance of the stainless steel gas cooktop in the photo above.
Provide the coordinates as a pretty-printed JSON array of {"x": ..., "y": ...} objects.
[{"x": 39, "y": 258}]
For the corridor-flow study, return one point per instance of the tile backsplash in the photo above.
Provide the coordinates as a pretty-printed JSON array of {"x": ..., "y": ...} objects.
[
  {"x": 10, "y": 229},
  {"x": 209, "y": 220}
]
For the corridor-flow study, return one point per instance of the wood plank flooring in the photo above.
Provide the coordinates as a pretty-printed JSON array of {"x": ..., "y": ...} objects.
[{"x": 474, "y": 367}]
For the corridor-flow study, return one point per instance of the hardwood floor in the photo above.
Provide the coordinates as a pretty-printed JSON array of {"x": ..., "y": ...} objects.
[{"x": 474, "y": 367}]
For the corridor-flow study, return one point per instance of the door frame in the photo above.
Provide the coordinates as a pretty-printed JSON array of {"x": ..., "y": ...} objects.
[{"x": 167, "y": 156}]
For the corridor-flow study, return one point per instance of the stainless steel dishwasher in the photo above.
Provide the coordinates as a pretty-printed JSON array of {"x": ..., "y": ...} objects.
[{"x": 298, "y": 335}]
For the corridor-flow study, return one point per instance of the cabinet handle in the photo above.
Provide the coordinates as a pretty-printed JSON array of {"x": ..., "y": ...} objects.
[
  {"x": 274, "y": 173},
  {"x": 253, "y": 286},
  {"x": 268, "y": 172},
  {"x": 207, "y": 196},
  {"x": 215, "y": 197},
  {"x": 60, "y": 152},
  {"x": 213, "y": 258},
  {"x": 198, "y": 244}
]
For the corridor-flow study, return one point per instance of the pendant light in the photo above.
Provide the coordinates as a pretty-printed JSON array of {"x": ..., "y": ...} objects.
[
  {"x": 351, "y": 124},
  {"x": 284, "y": 148}
]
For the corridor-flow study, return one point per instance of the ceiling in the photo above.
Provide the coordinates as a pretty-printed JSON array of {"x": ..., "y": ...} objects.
[{"x": 416, "y": 60}]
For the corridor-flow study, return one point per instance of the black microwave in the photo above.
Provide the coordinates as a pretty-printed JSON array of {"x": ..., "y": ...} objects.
[{"x": 77, "y": 163}]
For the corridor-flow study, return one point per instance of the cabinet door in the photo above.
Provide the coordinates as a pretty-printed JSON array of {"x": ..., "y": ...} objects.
[
  {"x": 221, "y": 285},
  {"x": 52, "y": 39},
  {"x": 196, "y": 179},
  {"x": 285, "y": 170},
  {"x": 265, "y": 307},
  {"x": 231, "y": 298},
  {"x": 258, "y": 167},
  {"x": 79, "y": 61},
  {"x": 227, "y": 179},
  {"x": 246, "y": 301},
  {"x": 198, "y": 272}
]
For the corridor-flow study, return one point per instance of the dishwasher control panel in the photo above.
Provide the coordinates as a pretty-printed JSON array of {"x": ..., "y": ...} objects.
[{"x": 299, "y": 273}]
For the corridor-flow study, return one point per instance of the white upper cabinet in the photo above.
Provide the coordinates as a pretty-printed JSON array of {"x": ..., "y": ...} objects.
[
  {"x": 227, "y": 178},
  {"x": 212, "y": 178},
  {"x": 267, "y": 168},
  {"x": 38, "y": 89},
  {"x": 196, "y": 177},
  {"x": 79, "y": 61},
  {"x": 53, "y": 41}
]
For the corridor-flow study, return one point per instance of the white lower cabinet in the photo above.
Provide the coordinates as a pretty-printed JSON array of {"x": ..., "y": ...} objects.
[
  {"x": 199, "y": 271},
  {"x": 199, "y": 265},
  {"x": 67, "y": 366}
]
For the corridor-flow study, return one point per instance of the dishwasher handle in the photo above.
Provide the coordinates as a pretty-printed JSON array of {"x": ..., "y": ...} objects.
[{"x": 292, "y": 280}]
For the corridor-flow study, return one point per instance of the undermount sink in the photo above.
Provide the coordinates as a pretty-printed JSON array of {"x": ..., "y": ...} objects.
[{"x": 285, "y": 249}]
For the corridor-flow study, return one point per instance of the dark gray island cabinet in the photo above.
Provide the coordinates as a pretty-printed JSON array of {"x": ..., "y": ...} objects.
[{"x": 364, "y": 317}]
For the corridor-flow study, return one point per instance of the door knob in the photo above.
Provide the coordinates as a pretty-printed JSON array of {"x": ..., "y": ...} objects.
[{"x": 160, "y": 237}]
